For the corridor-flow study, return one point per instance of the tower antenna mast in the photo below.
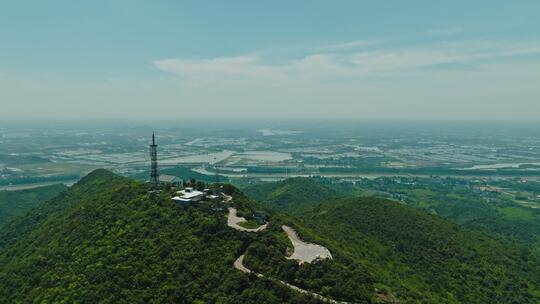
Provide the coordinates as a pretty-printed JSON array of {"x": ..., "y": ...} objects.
[{"x": 154, "y": 176}]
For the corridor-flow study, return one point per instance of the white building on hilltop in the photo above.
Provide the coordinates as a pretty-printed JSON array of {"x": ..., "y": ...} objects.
[{"x": 188, "y": 196}]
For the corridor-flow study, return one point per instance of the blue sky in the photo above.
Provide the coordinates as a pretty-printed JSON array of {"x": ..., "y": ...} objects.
[{"x": 286, "y": 59}]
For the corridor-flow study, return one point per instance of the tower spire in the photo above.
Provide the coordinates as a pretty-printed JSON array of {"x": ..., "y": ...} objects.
[{"x": 154, "y": 176}]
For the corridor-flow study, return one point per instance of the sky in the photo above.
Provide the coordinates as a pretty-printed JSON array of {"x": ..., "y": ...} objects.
[{"x": 360, "y": 60}]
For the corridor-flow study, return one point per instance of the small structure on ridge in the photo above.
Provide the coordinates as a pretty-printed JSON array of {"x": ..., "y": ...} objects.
[{"x": 188, "y": 196}]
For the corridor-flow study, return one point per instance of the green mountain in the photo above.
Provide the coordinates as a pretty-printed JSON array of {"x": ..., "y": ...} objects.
[
  {"x": 471, "y": 209},
  {"x": 292, "y": 194},
  {"x": 386, "y": 251},
  {"x": 496, "y": 216},
  {"x": 14, "y": 203},
  {"x": 423, "y": 258},
  {"x": 107, "y": 239}
]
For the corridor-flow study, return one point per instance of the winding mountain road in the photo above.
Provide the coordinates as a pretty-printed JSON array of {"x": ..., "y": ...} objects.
[
  {"x": 233, "y": 220},
  {"x": 239, "y": 265},
  {"x": 303, "y": 252}
]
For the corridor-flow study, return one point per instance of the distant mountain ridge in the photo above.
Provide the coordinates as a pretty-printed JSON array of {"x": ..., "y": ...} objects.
[
  {"x": 291, "y": 194},
  {"x": 412, "y": 251},
  {"x": 433, "y": 259},
  {"x": 17, "y": 202},
  {"x": 464, "y": 207}
]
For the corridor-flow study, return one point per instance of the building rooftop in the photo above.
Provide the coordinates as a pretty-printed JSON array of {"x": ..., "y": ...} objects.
[
  {"x": 180, "y": 199},
  {"x": 189, "y": 194}
]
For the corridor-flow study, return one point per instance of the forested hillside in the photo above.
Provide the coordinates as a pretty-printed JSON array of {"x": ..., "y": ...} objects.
[
  {"x": 481, "y": 211},
  {"x": 292, "y": 194},
  {"x": 423, "y": 257},
  {"x": 13, "y": 203},
  {"x": 106, "y": 240},
  {"x": 408, "y": 254}
]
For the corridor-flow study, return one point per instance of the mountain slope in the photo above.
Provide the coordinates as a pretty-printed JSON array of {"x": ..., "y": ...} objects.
[
  {"x": 106, "y": 240},
  {"x": 13, "y": 203},
  {"x": 423, "y": 257},
  {"x": 450, "y": 200},
  {"x": 408, "y": 254},
  {"x": 291, "y": 194}
]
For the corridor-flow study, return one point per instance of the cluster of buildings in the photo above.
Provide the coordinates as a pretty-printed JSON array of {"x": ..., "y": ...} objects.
[{"x": 189, "y": 196}]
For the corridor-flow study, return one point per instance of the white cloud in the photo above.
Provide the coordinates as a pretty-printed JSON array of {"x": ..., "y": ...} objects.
[
  {"x": 252, "y": 68},
  {"x": 396, "y": 82},
  {"x": 494, "y": 90},
  {"x": 348, "y": 45},
  {"x": 353, "y": 65},
  {"x": 240, "y": 65},
  {"x": 417, "y": 81}
]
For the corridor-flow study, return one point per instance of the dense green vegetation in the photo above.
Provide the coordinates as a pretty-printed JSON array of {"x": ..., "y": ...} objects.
[
  {"x": 266, "y": 253},
  {"x": 13, "y": 203},
  {"x": 250, "y": 224},
  {"x": 292, "y": 194},
  {"x": 453, "y": 199},
  {"x": 341, "y": 279},
  {"x": 464, "y": 204},
  {"x": 420, "y": 257},
  {"x": 410, "y": 254},
  {"x": 106, "y": 240},
  {"x": 494, "y": 215}
]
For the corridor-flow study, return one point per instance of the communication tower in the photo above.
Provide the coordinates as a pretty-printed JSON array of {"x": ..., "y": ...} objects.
[{"x": 154, "y": 176}]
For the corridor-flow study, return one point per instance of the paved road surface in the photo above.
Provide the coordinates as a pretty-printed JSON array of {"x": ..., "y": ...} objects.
[
  {"x": 227, "y": 198},
  {"x": 305, "y": 252},
  {"x": 239, "y": 264},
  {"x": 233, "y": 220}
]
